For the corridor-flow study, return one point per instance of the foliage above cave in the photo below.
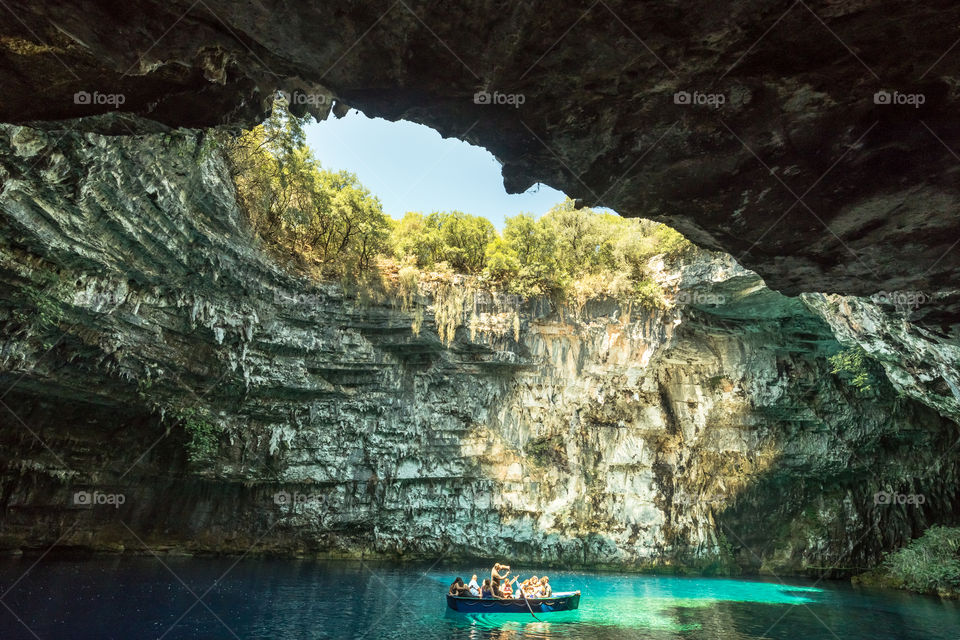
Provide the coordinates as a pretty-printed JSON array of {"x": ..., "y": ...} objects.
[
  {"x": 325, "y": 217},
  {"x": 330, "y": 220},
  {"x": 570, "y": 252}
]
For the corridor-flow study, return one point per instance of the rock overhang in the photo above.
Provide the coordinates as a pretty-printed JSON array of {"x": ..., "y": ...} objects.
[{"x": 815, "y": 141}]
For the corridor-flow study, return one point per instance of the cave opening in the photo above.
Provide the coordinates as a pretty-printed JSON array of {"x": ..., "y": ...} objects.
[{"x": 411, "y": 167}]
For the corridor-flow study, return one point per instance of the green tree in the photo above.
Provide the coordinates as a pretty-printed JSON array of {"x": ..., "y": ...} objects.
[
  {"x": 929, "y": 564},
  {"x": 852, "y": 364},
  {"x": 454, "y": 237},
  {"x": 329, "y": 219},
  {"x": 463, "y": 239},
  {"x": 324, "y": 216},
  {"x": 534, "y": 242},
  {"x": 581, "y": 253},
  {"x": 502, "y": 261},
  {"x": 353, "y": 228},
  {"x": 411, "y": 236},
  {"x": 578, "y": 236}
]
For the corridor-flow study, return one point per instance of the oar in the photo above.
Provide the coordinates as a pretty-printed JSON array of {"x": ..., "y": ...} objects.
[{"x": 527, "y": 602}]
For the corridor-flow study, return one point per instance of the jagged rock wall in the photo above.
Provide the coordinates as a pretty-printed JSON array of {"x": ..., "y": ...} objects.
[
  {"x": 919, "y": 360},
  {"x": 135, "y": 302}
]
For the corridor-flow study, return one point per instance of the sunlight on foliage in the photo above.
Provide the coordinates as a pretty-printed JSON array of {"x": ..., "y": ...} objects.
[
  {"x": 450, "y": 303},
  {"x": 326, "y": 218},
  {"x": 574, "y": 254},
  {"x": 408, "y": 279},
  {"x": 336, "y": 229}
]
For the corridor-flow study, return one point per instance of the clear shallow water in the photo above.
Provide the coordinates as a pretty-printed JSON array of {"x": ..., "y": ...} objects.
[{"x": 132, "y": 598}]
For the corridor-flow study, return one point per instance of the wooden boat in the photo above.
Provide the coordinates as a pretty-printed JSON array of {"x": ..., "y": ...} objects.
[{"x": 560, "y": 601}]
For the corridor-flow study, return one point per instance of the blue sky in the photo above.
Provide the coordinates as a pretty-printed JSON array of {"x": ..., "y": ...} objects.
[{"x": 411, "y": 168}]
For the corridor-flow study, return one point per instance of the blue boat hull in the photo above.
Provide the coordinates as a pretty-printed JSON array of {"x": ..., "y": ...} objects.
[{"x": 558, "y": 602}]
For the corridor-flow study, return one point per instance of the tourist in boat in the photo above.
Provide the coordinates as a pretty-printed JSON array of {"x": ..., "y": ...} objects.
[
  {"x": 538, "y": 587},
  {"x": 506, "y": 591},
  {"x": 533, "y": 588},
  {"x": 524, "y": 589},
  {"x": 486, "y": 591},
  {"x": 545, "y": 589},
  {"x": 473, "y": 587},
  {"x": 458, "y": 588}
]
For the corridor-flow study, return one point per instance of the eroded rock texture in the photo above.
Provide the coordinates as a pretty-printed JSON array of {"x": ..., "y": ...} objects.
[
  {"x": 774, "y": 150},
  {"x": 920, "y": 360},
  {"x": 135, "y": 302}
]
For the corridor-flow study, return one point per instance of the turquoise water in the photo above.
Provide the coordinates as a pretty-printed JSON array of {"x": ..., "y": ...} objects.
[{"x": 132, "y": 598}]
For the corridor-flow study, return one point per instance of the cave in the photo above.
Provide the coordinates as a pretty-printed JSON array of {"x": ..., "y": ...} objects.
[{"x": 777, "y": 399}]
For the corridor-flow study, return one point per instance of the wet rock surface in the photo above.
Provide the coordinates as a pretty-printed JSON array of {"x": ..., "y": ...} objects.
[{"x": 138, "y": 309}]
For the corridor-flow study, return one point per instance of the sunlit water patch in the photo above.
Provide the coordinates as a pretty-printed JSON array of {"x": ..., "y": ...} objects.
[
  {"x": 629, "y": 602},
  {"x": 132, "y": 598}
]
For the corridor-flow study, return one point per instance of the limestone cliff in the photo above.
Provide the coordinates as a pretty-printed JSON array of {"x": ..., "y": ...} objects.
[{"x": 138, "y": 312}]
